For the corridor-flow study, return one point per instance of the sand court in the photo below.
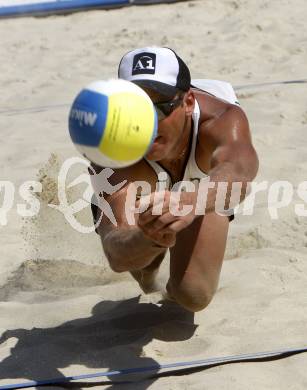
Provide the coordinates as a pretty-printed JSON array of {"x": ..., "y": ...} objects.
[{"x": 63, "y": 311}]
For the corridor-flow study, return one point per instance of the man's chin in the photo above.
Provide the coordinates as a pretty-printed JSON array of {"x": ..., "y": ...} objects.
[
  {"x": 156, "y": 153},
  {"x": 153, "y": 156}
]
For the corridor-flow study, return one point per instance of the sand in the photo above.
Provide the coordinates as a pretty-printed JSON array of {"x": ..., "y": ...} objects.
[{"x": 63, "y": 311}]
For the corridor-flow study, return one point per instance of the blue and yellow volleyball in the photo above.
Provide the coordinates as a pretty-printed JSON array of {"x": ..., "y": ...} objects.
[{"x": 113, "y": 123}]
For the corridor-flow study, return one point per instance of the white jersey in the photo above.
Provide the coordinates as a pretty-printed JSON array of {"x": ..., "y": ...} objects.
[{"x": 219, "y": 89}]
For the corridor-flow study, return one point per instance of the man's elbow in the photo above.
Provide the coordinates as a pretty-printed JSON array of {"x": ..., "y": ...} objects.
[
  {"x": 247, "y": 168},
  {"x": 116, "y": 262},
  {"x": 117, "y": 267},
  {"x": 246, "y": 172},
  {"x": 254, "y": 165}
]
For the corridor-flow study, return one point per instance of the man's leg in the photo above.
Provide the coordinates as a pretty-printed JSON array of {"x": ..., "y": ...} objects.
[
  {"x": 196, "y": 261},
  {"x": 146, "y": 277}
]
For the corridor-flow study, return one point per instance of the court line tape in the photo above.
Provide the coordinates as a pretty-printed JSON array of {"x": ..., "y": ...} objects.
[
  {"x": 31, "y": 110},
  {"x": 184, "y": 368},
  {"x": 247, "y": 86},
  {"x": 23, "y": 8}
]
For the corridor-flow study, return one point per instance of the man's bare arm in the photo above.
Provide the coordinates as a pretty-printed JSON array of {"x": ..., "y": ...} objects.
[
  {"x": 126, "y": 246},
  {"x": 234, "y": 158}
]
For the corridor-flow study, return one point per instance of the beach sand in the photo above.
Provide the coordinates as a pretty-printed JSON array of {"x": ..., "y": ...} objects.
[{"x": 63, "y": 311}]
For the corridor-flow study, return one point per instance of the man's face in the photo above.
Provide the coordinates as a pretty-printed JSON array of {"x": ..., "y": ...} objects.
[{"x": 171, "y": 127}]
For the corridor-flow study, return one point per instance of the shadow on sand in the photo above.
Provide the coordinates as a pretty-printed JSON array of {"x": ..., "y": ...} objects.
[{"x": 113, "y": 338}]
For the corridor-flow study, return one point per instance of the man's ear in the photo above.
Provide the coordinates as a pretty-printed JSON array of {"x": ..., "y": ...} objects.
[{"x": 189, "y": 102}]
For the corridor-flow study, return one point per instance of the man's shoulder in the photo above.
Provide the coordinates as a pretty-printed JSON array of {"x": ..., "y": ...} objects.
[
  {"x": 211, "y": 109},
  {"x": 218, "y": 121}
]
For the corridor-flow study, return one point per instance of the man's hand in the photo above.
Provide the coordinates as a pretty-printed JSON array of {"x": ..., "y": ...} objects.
[{"x": 167, "y": 214}]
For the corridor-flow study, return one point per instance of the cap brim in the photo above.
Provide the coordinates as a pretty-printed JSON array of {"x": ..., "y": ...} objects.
[{"x": 162, "y": 88}]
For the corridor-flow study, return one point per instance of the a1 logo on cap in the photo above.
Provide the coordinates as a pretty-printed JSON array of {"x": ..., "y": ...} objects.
[{"x": 144, "y": 63}]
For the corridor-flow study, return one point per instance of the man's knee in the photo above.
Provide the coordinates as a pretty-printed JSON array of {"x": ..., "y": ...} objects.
[{"x": 193, "y": 297}]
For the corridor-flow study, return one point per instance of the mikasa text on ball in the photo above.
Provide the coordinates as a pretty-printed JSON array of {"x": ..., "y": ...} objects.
[{"x": 112, "y": 123}]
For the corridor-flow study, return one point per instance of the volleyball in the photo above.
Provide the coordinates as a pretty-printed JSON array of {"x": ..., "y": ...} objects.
[{"x": 113, "y": 123}]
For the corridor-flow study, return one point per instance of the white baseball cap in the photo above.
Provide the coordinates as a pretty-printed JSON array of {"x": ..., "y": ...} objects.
[{"x": 157, "y": 68}]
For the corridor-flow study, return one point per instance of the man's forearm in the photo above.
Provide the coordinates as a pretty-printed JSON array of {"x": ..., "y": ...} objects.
[{"x": 129, "y": 249}]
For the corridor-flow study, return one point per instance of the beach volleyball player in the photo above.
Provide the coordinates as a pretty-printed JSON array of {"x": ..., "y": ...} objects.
[{"x": 202, "y": 134}]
